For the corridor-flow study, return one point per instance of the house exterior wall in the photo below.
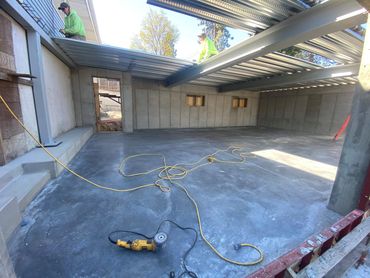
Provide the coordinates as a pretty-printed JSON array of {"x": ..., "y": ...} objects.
[
  {"x": 318, "y": 111},
  {"x": 58, "y": 86},
  {"x": 19, "y": 143}
]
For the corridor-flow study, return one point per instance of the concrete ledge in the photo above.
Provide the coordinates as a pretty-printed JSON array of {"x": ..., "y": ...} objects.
[
  {"x": 23, "y": 178},
  {"x": 37, "y": 160},
  {"x": 72, "y": 141},
  {"x": 10, "y": 216},
  {"x": 6, "y": 266},
  {"x": 25, "y": 188}
]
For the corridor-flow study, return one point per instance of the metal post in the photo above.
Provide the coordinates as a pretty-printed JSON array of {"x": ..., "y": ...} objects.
[{"x": 39, "y": 92}]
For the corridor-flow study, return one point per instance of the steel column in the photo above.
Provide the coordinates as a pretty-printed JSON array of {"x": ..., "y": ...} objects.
[{"x": 39, "y": 92}]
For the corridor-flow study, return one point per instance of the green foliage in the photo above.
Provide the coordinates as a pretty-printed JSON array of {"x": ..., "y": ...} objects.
[
  {"x": 307, "y": 56},
  {"x": 157, "y": 35},
  {"x": 218, "y": 33}
]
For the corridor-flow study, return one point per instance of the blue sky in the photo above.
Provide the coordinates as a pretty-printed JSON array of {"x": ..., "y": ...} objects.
[{"x": 120, "y": 20}]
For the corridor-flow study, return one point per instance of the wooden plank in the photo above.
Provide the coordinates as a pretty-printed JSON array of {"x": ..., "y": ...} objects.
[{"x": 328, "y": 261}]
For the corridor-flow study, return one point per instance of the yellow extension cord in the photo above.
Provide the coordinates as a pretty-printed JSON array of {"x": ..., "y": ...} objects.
[{"x": 166, "y": 172}]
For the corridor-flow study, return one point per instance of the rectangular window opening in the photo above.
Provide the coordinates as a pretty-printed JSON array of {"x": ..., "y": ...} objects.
[{"x": 195, "y": 100}]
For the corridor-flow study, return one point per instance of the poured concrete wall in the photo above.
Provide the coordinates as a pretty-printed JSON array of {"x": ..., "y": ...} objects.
[
  {"x": 318, "y": 111},
  {"x": 21, "y": 143},
  {"x": 58, "y": 86},
  {"x": 156, "y": 106},
  {"x": 148, "y": 104}
]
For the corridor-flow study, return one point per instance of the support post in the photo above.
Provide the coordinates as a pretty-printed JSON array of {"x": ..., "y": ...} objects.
[
  {"x": 355, "y": 157},
  {"x": 127, "y": 103},
  {"x": 39, "y": 92}
]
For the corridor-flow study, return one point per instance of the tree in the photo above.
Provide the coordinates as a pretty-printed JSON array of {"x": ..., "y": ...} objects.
[
  {"x": 307, "y": 56},
  {"x": 157, "y": 35},
  {"x": 216, "y": 32}
]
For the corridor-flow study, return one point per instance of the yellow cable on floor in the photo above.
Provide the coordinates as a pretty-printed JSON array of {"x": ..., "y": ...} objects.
[{"x": 166, "y": 172}]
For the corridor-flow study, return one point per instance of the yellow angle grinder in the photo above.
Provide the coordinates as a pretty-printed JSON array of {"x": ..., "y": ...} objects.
[{"x": 154, "y": 244}]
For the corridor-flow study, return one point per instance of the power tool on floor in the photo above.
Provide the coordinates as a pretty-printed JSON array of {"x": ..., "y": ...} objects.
[{"x": 154, "y": 244}]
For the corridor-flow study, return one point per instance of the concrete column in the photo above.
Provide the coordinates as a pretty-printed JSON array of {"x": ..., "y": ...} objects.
[
  {"x": 39, "y": 92},
  {"x": 127, "y": 103},
  {"x": 355, "y": 158}
]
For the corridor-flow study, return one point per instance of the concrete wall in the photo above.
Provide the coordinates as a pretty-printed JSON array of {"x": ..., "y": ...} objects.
[
  {"x": 83, "y": 94},
  {"x": 158, "y": 107},
  {"x": 21, "y": 143},
  {"x": 318, "y": 111},
  {"x": 58, "y": 87},
  {"x": 150, "y": 105}
]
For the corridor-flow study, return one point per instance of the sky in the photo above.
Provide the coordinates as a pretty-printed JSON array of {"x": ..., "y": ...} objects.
[{"x": 120, "y": 20}]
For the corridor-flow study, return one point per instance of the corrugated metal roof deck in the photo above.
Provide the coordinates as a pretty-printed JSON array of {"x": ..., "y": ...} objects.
[
  {"x": 109, "y": 57},
  {"x": 344, "y": 47}
]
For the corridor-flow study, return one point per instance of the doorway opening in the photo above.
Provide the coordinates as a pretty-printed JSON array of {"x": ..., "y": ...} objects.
[{"x": 108, "y": 104}]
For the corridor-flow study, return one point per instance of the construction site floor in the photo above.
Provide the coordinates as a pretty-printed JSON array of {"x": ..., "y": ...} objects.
[{"x": 265, "y": 202}]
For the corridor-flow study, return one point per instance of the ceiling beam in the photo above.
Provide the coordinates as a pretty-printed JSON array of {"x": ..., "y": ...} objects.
[
  {"x": 326, "y": 18},
  {"x": 289, "y": 79}
]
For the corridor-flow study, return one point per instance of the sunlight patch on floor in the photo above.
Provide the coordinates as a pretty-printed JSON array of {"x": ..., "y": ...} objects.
[{"x": 320, "y": 169}]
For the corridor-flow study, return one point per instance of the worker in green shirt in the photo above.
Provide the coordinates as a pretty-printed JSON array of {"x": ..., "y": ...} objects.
[
  {"x": 208, "y": 48},
  {"x": 73, "y": 25}
]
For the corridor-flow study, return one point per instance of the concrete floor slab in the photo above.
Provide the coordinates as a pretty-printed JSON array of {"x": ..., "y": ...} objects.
[{"x": 262, "y": 201}]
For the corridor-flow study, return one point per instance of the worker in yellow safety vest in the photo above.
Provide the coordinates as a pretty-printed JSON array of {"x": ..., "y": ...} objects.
[{"x": 208, "y": 48}]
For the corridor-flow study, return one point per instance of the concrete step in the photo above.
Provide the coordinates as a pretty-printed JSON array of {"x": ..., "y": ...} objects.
[
  {"x": 7, "y": 174},
  {"x": 25, "y": 187},
  {"x": 10, "y": 216}
]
